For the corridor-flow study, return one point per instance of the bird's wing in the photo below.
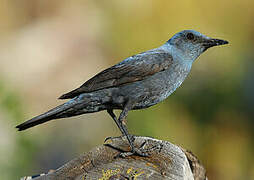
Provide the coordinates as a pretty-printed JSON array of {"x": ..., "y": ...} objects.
[{"x": 134, "y": 68}]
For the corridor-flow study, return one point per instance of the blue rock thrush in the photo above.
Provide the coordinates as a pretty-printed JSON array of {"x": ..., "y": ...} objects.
[{"x": 138, "y": 82}]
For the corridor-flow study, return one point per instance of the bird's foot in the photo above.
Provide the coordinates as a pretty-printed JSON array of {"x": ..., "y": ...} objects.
[
  {"x": 141, "y": 151},
  {"x": 135, "y": 151}
]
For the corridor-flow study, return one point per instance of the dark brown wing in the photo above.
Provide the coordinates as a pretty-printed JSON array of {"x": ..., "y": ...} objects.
[{"x": 134, "y": 68}]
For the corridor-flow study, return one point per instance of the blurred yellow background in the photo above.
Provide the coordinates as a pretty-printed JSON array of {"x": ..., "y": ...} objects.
[{"x": 48, "y": 48}]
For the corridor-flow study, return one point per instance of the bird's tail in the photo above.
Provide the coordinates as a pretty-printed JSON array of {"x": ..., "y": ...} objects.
[{"x": 60, "y": 111}]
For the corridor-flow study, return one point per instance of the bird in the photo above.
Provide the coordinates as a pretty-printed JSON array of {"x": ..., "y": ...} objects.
[{"x": 137, "y": 82}]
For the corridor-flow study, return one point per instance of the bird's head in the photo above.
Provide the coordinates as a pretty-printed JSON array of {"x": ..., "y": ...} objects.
[{"x": 190, "y": 44}]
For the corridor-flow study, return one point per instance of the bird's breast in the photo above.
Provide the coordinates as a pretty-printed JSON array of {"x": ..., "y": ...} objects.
[
  {"x": 173, "y": 78},
  {"x": 159, "y": 86}
]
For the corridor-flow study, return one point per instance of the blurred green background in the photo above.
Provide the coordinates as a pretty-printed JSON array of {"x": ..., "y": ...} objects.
[{"x": 48, "y": 48}]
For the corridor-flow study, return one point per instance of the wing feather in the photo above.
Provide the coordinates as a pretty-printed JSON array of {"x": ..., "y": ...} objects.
[{"x": 132, "y": 69}]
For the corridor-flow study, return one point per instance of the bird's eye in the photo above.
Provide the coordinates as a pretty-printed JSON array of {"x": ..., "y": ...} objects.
[{"x": 190, "y": 36}]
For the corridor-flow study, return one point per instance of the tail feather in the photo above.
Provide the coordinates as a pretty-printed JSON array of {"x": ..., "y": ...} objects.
[{"x": 51, "y": 114}]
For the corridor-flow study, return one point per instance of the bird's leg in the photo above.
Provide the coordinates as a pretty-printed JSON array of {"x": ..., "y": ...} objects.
[
  {"x": 134, "y": 150},
  {"x": 124, "y": 131},
  {"x": 111, "y": 113}
]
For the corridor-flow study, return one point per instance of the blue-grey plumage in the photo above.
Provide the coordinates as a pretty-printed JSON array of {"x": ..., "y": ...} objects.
[{"x": 137, "y": 82}]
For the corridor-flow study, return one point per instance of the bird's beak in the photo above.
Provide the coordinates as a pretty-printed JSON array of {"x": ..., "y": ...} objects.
[{"x": 213, "y": 42}]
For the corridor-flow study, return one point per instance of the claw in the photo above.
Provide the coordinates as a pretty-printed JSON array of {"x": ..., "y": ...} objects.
[
  {"x": 109, "y": 138},
  {"x": 112, "y": 138},
  {"x": 135, "y": 151}
]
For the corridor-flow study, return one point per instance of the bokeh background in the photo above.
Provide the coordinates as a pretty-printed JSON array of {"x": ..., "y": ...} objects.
[{"x": 48, "y": 48}]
